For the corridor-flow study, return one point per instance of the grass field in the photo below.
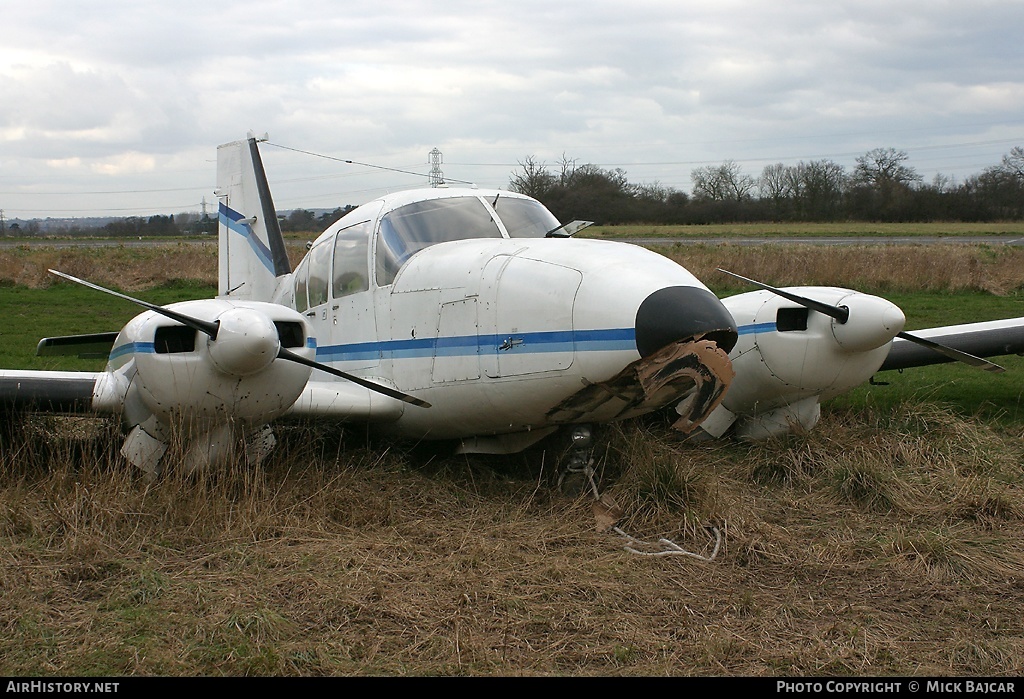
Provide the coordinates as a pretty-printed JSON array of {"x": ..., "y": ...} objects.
[{"x": 886, "y": 542}]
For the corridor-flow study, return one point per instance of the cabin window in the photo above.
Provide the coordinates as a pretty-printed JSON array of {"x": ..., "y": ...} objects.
[
  {"x": 408, "y": 229},
  {"x": 174, "y": 339},
  {"x": 319, "y": 272},
  {"x": 301, "y": 273},
  {"x": 524, "y": 218},
  {"x": 351, "y": 274}
]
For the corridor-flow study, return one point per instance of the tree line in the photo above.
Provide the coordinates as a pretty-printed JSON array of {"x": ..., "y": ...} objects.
[
  {"x": 298, "y": 220},
  {"x": 882, "y": 186}
]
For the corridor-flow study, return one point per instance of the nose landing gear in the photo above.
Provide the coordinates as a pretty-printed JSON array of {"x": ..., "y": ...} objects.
[{"x": 577, "y": 475}]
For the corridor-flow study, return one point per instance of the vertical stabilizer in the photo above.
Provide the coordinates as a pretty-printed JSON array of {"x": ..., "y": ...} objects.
[{"x": 251, "y": 247}]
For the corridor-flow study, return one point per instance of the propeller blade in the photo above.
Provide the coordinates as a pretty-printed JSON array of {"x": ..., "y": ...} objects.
[
  {"x": 202, "y": 326},
  {"x": 954, "y": 354},
  {"x": 840, "y": 313},
  {"x": 379, "y": 388}
]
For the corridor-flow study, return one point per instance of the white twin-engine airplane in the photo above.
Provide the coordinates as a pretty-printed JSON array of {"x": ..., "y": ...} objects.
[{"x": 468, "y": 315}]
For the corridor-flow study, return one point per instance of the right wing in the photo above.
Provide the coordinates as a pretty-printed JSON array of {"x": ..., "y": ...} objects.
[
  {"x": 50, "y": 391},
  {"x": 986, "y": 339}
]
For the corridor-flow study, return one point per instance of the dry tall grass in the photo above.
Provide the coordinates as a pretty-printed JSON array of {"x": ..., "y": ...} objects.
[
  {"x": 877, "y": 545},
  {"x": 879, "y": 268}
]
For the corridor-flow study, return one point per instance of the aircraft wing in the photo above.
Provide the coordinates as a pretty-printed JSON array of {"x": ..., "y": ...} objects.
[
  {"x": 49, "y": 391},
  {"x": 91, "y": 346},
  {"x": 986, "y": 339}
]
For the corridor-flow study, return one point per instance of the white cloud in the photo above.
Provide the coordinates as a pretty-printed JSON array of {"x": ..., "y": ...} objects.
[
  {"x": 125, "y": 164},
  {"x": 135, "y": 89}
]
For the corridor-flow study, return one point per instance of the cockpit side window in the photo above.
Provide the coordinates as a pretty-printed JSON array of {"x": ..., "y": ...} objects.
[
  {"x": 411, "y": 228},
  {"x": 350, "y": 263},
  {"x": 524, "y": 218},
  {"x": 319, "y": 272},
  {"x": 300, "y": 277}
]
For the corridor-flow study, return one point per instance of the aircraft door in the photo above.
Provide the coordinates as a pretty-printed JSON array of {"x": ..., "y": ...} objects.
[
  {"x": 530, "y": 311},
  {"x": 318, "y": 267},
  {"x": 353, "y": 329}
]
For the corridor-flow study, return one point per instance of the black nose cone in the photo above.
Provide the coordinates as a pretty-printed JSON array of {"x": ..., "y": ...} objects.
[{"x": 682, "y": 313}]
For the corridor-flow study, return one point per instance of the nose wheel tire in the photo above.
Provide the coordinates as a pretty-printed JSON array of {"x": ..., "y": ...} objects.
[{"x": 577, "y": 477}]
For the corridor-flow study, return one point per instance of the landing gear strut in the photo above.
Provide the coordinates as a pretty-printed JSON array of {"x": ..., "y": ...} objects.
[{"x": 577, "y": 476}]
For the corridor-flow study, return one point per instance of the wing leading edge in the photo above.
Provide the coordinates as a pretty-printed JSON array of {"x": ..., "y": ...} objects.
[
  {"x": 49, "y": 391},
  {"x": 986, "y": 339}
]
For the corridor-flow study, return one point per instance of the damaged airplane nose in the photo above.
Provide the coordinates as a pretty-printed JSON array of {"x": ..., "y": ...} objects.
[
  {"x": 683, "y": 336},
  {"x": 677, "y": 313}
]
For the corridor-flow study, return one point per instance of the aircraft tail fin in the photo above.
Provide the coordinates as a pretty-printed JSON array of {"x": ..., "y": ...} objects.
[{"x": 251, "y": 248}]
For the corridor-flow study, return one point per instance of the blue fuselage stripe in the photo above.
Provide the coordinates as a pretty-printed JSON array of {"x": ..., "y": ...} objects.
[
  {"x": 469, "y": 345},
  {"x": 755, "y": 328},
  {"x": 461, "y": 345},
  {"x": 132, "y": 348},
  {"x": 611, "y": 340}
]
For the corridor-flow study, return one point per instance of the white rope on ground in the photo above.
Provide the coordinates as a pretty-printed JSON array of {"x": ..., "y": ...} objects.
[{"x": 669, "y": 548}]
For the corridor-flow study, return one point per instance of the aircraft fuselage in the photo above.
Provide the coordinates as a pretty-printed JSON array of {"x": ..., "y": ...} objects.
[{"x": 496, "y": 332}]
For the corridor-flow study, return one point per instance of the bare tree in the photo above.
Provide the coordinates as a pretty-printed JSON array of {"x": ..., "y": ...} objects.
[
  {"x": 725, "y": 182},
  {"x": 774, "y": 183},
  {"x": 820, "y": 186},
  {"x": 1013, "y": 163},
  {"x": 533, "y": 178},
  {"x": 943, "y": 183},
  {"x": 568, "y": 169},
  {"x": 883, "y": 168}
]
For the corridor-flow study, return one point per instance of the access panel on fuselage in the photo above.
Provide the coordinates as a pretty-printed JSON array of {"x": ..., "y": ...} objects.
[
  {"x": 455, "y": 352},
  {"x": 528, "y": 305}
]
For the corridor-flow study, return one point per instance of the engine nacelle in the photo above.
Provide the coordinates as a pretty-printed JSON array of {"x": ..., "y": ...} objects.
[
  {"x": 181, "y": 373},
  {"x": 790, "y": 355}
]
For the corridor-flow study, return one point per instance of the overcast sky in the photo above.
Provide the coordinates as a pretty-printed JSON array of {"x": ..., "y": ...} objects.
[{"x": 116, "y": 107}]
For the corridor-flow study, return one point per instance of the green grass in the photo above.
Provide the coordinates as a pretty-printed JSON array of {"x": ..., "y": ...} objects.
[
  {"x": 68, "y": 309},
  {"x": 969, "y": 391},
  {"x": 924, "y": 310}
]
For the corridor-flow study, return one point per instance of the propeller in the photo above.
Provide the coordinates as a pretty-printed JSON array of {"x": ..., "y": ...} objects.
[
  {"x": 211, "y": 329},
  {"x": 842, "y": 314}
]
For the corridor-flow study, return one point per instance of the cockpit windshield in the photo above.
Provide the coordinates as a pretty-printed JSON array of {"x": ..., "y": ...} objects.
[
  {"x": 524, "y": 218},
  {"x": 408, "y": 229}
]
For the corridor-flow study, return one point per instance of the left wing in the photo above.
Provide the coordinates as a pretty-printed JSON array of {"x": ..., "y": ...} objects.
[{"x": 91, "y": 346}]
